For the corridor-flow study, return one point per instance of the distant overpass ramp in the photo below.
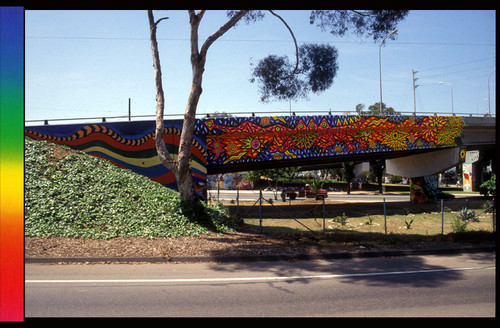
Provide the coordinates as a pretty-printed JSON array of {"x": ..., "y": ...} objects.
[{"x": 478, "y": 133}]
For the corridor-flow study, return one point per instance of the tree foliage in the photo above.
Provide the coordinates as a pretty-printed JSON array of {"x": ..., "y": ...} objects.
[
  {"x": 272, "y": 174},
  {"x": 316, "y": 65},
  {"x": 375, "y": 110},
  {"x": 279, "y": 79},
  {"x": 368, "y": 23}
]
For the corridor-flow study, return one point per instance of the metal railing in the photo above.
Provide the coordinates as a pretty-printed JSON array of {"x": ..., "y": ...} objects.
[
  {"x": 321, "y": 212},
  {"x": 122, "y": 118}
]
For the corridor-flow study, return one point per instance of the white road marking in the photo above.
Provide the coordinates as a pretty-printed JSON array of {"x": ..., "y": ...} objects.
[{"x": 197, "y": 280}]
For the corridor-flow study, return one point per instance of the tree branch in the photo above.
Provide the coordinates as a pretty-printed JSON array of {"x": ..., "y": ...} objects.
[
  {"x": 158, "y": 21},
  {"x": 294, "y": 41},
  {"x": 161, "y": 148},
  {"x": 223, "y": 29}
]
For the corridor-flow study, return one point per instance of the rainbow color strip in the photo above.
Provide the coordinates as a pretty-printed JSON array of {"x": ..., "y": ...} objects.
[
  {"x": 11, "y": 164},
  {"x": 129, "y": 145}
]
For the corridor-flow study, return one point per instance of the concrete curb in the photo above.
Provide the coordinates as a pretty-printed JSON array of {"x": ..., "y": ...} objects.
[{"x": 258, "y": 258}]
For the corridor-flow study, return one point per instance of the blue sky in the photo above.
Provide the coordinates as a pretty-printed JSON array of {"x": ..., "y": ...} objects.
[{"x": 89, "y": 63}]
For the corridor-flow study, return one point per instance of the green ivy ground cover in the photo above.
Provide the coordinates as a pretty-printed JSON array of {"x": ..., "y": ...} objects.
[{"x": 78, "y": 195}]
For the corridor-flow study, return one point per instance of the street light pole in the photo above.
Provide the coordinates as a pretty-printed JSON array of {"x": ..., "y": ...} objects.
[
  {"x": 414, "y": 87},
  {"x": 380, "y": 66},
  {"x": 477, "y": 106},
  {"x": 451, "y": 86},
  {"x": 489, "y": 109}
]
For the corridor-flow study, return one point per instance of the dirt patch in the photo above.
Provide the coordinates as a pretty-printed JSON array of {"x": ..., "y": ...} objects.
[
  {"x": 224, "y": 244},
  {"x": 60, "y": 152},
  {"x": 220, "y": 244}
]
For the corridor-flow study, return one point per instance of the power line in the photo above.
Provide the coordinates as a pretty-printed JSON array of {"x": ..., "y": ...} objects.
[
  {"x": 454, "y": 65},
  {"x": 254, "y": 40},
  {"x": 474, "y": 69}
]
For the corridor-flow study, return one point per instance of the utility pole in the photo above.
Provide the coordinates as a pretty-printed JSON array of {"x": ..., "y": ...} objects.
[
  {"x": 129, "y": 111},
  {"x": 489, "y": 108},
  {"x": 414, "y": 87},
  {"x": 380, "y": 68}
]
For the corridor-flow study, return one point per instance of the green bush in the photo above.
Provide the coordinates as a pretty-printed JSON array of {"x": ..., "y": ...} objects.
[
  {"x": 396, "y": 179},
  {"x": 488, "y": 187},
  {"x": 462, "y": 219},
  {"x": 84, "y": 196}
]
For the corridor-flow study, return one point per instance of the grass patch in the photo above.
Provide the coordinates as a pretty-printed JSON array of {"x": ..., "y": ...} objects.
[
  {"x": 71, "y": 194},
  {"x": 402, "y": 228},
  {"x": 416, "y": 224}
]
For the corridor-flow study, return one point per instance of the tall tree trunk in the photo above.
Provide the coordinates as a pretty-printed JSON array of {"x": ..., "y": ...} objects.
[
  {"x": 380, "y": 187},
  {"x": 184, "y": 176},
  {"x": 161, "y": 148},
  {"x": 181, "y": 167}
]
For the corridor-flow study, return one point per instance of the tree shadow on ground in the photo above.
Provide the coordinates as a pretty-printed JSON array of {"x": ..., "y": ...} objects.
[
  {"x": 354, "y": 260},
  {"x": 390, "y": 271},
  {"x": 353, "y": 256}
]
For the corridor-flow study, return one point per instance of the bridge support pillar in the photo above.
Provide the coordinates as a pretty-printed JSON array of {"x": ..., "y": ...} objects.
[
  {"x": 422, "y": 169},
  {"x": 424, "y": 189},
  {"x": 422, "y": 165}
]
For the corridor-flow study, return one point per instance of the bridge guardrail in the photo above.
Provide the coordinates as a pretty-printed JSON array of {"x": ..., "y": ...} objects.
[{"x": 216, "y": 114}]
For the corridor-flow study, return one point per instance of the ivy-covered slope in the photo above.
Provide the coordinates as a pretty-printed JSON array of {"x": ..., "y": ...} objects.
[{"x": 71, "y": 194}]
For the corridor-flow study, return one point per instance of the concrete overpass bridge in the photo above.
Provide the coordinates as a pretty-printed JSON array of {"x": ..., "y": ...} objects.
[
  {"x": 413, "y": 146},
  {"x": 319, "y": 142}
]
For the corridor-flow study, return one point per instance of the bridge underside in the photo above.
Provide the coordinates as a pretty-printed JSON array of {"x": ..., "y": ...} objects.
[
  {"x": 317, "y": 163},
  {"x": 232, "y": 144}
]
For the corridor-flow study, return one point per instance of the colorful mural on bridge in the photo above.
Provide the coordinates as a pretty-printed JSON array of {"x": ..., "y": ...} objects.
[
  {"x": 230, "y": 140},
  {"x": 239, "y": 140},
  {"x": 129, "y": 145},
  {"x": 424, "y": 189}
]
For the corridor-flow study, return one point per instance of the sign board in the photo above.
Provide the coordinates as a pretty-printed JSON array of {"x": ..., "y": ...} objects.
[{"x": 471, "y": 156}]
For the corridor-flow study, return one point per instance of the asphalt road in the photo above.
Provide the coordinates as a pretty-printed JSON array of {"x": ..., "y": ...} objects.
[
  {"x": 355, "y": 196},
  {"x": 410, "y": 286}
]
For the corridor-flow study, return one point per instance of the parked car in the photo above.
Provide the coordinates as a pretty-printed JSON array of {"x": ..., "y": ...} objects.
[{"x": 306, "y": 192}]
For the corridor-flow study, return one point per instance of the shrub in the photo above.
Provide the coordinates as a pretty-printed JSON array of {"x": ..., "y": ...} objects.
[
  {"x": 396, "y": 179},
  {"x": 84, "y": 196},
  {"x": 342, "y": 219},
  {"x": 462, "y": 219},
  {"x": 488, "y": 187}
]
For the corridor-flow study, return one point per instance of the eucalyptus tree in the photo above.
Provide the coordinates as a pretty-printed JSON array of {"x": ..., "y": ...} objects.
[{"x": 312, "y": 71}]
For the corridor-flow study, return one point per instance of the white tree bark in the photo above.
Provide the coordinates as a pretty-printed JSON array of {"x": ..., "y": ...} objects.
[{"x": 181, "y": 167}]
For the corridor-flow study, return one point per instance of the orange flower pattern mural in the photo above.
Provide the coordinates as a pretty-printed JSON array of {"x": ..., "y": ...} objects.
[{"x": 237, "y": 139}]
